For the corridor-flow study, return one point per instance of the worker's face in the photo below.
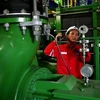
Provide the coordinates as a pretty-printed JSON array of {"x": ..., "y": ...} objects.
[{"x": 73, "y": 36}]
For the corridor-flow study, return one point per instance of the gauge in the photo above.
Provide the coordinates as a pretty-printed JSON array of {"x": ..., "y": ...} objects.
[
  {"x": 83, "y": 29},
  {"x": 86, "y": 70}
]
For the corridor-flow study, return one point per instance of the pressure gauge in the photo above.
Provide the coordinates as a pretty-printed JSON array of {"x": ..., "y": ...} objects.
[
  {"x": 83, "y": 29},
  {"x": 86, "y": 70}
]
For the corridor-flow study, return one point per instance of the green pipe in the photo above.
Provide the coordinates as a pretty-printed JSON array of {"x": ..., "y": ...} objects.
[
  {"x": 17, "y": 52},
  {"x": 96, "y": 48}
]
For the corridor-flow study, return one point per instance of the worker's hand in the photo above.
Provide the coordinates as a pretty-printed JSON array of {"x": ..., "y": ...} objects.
[{"x": 59, "y": 35}]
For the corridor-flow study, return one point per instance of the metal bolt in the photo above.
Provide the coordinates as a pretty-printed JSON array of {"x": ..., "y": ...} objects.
[{"x": 6, "y": 25}]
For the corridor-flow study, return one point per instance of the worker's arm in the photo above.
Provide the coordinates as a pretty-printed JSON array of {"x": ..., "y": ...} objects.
[{"x": 51, "y": 49}]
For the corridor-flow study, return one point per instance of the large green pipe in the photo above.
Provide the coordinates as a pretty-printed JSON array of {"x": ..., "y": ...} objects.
[{"x": 16, "y": 55}]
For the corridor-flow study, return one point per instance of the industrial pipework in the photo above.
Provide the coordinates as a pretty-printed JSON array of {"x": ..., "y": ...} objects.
[
  {"x": 18, "y": 46},
  {"x": 21, "y": 78},
  {"x": 87, "y": 69}
]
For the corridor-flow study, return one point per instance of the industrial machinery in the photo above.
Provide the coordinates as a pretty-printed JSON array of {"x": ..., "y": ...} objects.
[
  {"x": 22, "y": 75},
  {"x": 88, "y": 15}
]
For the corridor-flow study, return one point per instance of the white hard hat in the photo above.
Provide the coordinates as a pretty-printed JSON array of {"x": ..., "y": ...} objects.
[{"x": 71, "y": 28}]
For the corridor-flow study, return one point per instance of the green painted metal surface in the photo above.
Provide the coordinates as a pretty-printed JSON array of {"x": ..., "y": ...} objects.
[
  {"x": 44, "y": 61},
  {"x": 52, "y": 23},
  {"x": 43, "y": 85},
  {"x": 80, "y": 92},
  {"x": 96, "y": 47},
  {"x": 17, "y": 52},
  {"x": 58, "y": 19},
  {"x": 27, "y": 88}
]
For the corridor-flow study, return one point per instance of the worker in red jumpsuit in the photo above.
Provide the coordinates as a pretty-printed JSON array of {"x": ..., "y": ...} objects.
[{"x": 69, "y": 58}]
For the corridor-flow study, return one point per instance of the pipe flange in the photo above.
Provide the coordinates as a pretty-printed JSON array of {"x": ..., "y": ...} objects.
[{"x": 27, "y": 86}]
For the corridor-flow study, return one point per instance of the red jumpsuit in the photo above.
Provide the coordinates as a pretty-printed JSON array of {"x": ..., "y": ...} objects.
[{"x": 72, "y": 57}]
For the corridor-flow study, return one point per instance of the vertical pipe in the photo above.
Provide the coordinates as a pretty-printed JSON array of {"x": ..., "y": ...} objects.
[
  {"x": 46, "y": 10},
  {"x": 71, "y": 3},
  {"x": 67, "y": 3},
  {"x": 83, "y": 36},
  {"x": 58, "y": 20},
  {"x": 34, "y": 6},
  {"x": 96, "y": 48},
  {"x": 74, "y": 3}
]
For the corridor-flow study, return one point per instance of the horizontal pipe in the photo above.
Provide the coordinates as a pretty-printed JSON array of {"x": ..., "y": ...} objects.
[
  {"x": 71, "y": 13},
  {"x": 95, "y": 28},
  {"x": 85, "y": 10},
  {"x": 60, "y": 30}
]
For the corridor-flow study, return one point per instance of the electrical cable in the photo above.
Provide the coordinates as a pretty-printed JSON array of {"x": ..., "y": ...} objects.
[{"x": 60, "y": 53}]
